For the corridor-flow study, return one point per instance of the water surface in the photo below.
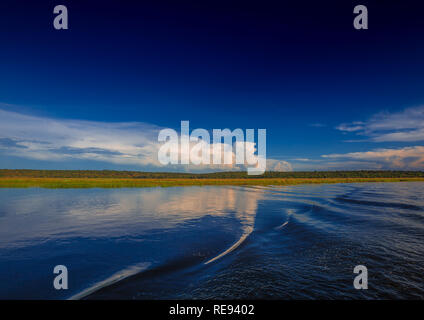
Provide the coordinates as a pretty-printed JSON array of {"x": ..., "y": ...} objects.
[{"x": 294, "y": 242}]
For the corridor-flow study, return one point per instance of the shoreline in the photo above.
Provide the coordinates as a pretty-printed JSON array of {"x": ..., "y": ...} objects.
[{"x": 68, "y": 183}]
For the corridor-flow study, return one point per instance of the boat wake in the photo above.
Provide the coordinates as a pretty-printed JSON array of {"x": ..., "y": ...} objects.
[
  {"x": 247, "y": 232},
  {"x": 118, "y": 276}
]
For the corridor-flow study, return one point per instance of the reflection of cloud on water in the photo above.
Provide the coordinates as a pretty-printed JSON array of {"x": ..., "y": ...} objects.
[
  {"x": 169, "y": 206},
  {"x": 215, "y": 202},
  {"x": 221, "y": 202},
  {"x": 45, "y": 214}
]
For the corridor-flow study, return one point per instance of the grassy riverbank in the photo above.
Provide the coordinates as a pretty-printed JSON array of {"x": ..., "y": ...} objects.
[
  {"x": 25, "y": 182},
  {"x": 136, "y": 179}
]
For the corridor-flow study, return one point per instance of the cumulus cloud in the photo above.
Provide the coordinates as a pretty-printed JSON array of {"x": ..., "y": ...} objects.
[
  {"x": 120, "y": 143},
  {"x": 404, "y": 126},
  {"x": 278, "y": 165}
]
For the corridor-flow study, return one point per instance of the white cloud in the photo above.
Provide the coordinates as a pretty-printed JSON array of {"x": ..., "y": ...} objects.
[
  {"x": 404, "y": 126},
  {"x": 120, "y": 143},
  {"x": 410, "y": 158},
  {"x": 53, "y": 139},
  {"x": 278, "y": 165}
]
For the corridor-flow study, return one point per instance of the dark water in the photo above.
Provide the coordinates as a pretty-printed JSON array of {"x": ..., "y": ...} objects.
[{"x": 299, "y": 242}]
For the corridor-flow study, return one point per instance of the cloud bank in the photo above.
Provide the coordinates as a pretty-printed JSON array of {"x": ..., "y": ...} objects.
[
  {"x": 407, "y": 158},
  {"x": 404, "y": 126},
  {"x": 400, "y": 127},
  {"x": 120, "y": 143}
]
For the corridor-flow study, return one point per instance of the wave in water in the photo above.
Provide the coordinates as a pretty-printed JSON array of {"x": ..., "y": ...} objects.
[{"x": 118, "y": 276}]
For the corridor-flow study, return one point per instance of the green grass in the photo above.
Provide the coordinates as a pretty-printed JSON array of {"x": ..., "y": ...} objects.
[
  {"x": 136, "y": 179},
  {"x": 25, "y": 182}
]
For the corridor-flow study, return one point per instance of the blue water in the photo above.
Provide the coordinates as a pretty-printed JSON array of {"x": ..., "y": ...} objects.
[{"x": 299, "y": 242}]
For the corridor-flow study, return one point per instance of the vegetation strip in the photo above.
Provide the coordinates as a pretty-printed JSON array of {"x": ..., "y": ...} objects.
[{"x": 23, "y": 182}]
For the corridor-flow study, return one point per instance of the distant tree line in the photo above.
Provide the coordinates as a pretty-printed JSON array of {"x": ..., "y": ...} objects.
[{"x": 215, "y": 175}]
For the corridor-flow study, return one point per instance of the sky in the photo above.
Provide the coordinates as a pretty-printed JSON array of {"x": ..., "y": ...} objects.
[{"x": 96, "y": 95}]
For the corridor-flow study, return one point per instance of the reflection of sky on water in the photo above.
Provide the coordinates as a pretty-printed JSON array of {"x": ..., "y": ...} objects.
[{"x": 39, "y": 214}]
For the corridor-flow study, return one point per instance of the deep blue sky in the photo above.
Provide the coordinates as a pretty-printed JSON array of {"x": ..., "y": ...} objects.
[{"x": 298, "y": 70}]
